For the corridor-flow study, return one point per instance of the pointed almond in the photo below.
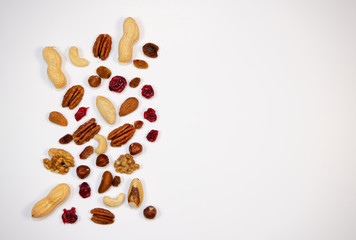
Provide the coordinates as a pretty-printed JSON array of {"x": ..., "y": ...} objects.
[
  {"x": 58, "y": 118},
  {"x": 128, "y": 106}
]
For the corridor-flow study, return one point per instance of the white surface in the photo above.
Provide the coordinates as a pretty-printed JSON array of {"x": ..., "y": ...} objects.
[{"x": 256, "y": 113}]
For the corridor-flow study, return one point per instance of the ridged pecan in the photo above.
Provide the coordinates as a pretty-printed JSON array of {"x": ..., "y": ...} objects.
[
  {"x": 73, "y": 96},
  {"x": 102, "y": 216},
  {"x": 121, "y": 135},
  {"x": 86, "y": 132},
  {"x": 102, "y": 46}
]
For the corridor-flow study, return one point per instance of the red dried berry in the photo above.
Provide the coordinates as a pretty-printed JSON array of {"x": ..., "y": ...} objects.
[
  {"x": 69, "y": 216},
  {"x": 152, "y": 135},
  {"x": 84, "y": 190},
  {"x": 147, "y": 91},
  {"x": 117, "y": 84},
  {"x": 150, "y": 115},
  {"x": 81, "y": 113}
]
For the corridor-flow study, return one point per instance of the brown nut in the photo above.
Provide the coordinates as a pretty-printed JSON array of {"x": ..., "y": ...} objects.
[
  {"x": 135, "y": 194},
  {"x": 135, "y": 82},
  {"x": 150, "y": 50},
  {"x": 94, "y": 81},
  {"x": 121, "y": 135},
  {"x": 66, "y": 139},
  {"x": 58, "y": 118},
  {"x": 103, "y": 72},
  {"x": 135, "y": 148},
  {"x": 138, "y": 124},
  {"x": 140, "y": 64},
  {"x": 83, "y": 171},
  {"x": 102, "y": 160},
  {"x": 86, "y": 152},
  {"x": 128, "y": 106},
  {"x": 73, "y": 97},
  {"x": 86, "y": 131},
  {"x": 150, "y": 212},
  {"x": 102, "y": 216},
  {"x": 116, "y": 182},
  {"x": 106, "y": 182},
  {"x": 102, "y": 46}
]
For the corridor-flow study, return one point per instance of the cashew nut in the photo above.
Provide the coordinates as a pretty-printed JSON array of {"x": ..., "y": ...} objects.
[
  {"x": 102, "y": 144},
  {"x": 114, "y": 202},
  {"x": 75, "y": 59}
]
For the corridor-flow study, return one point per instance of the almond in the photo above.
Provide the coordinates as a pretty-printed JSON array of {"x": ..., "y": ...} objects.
[
  {"x": 128, "y": 106},
  {"x": 106, "y": 109},
  {"x": 58, "y": 118}
]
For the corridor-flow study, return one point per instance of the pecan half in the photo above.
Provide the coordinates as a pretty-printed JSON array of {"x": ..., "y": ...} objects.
[
  {"x": 121, "y": 135},
  {"x": 86, "y": 132},
  {"x": 102, "y": 216},
  {"x": 73, "y": 97},
  {"x": 102, "y": 46}
]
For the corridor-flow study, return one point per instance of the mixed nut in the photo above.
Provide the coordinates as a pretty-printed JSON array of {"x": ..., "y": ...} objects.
[{"x": 60, "y": 161}]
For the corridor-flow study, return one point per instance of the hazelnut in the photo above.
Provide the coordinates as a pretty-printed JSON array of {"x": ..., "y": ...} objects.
[
  {"x": 116, "y": 182},
  {"x": 102, "y": 160},
  {"x": 135, "y": 148},
  {"x": 94, "y": 81},
  {"x": 83, "y": 171},
  {"x": 103, "y": 72},
  {"x": 150, "y": 212}
]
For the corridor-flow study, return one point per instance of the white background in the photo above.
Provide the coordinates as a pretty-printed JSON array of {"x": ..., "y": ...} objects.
[{"x": 256, "y": 113}]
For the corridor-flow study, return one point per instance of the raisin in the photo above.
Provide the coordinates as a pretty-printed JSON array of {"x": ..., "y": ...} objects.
[
  {"x": 66, "y": 139},
  {"x": 150, "y": 115},
  {"x": 150, "y": 50},
  {"x": 147, "y": 91},
  {"x": 140, "y": 63},
  {"x": 152, "y": 135},
  {"x": 138, "y": 124},
  {"x": 103, "y": 72},
  {"x": 69, "y": 216},
  {"x": 135, "y": 82},
  {"x": 116, "y": 181},
  {"x": 84, "y": 190},
  {"x": 117, "y": 84},
  {"x": 81, "y": 113}
]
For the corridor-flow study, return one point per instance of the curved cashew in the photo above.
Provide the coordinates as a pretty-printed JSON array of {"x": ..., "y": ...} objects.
[
  {"x": 103, "y": 144},
  {"x": 75, "y": 59},
  {"x": 114, "y": 202}
]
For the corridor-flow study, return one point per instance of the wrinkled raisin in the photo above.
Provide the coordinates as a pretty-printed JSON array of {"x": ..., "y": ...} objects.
[
  {"x": 69, "y": 216},
  {"x": 152, "y": 135},
  {"x": 103, "y": 72},
  {"x": 66, "y": 139},
  {"x": 116, "y": 181},
  {"x": 138, "y": 124},
  {"x": 140, "y": 63},
  {"x": 147, "y": 91},
  {"x": 150, "y": 50},
  {"x": 81, "y": 113},
  {"x": 117, "y": 84},
  {"x": 135, "y": 82},
  {"x": 150, "y": 115},
  {"x": 84, "y": 190}
]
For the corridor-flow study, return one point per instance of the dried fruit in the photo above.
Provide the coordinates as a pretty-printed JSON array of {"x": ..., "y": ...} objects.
[
  {"x": 54, "y": 62},
  {"x": 86, "y": 131},
  {"x": 58, "y": 118},
  {"x": 116, "y": 182},
  {"x": 73, "y": 97},
  {"x": 75, "y": 59},
  {"x": 103, "y": 72},
  {"x": 138, "y": 124},
  {"x": 117, "y": 84},
  {"x": 126, "y": 164},
  {"x": 150, "y": 115},
  {"x": 150, "y": 50},
  {"x": 83, "y": 171},
  {"x": 66, "y": 139},
  {"x": 60, "y": 162},
  {"x": 129, "y": 37},
  {"x": 69, "y": 216},
  {"x": 106, "y": 109},
  {"x": 102, "y": 46},
  {"x": 102, "y": 160},
  {"x": 121, "y": 135},
  {"x": 150, "y": 212},
  {"x": 86, "y": 152},
  {"x": 84, "y": 190},
  {"x": 147, "y": 91},
  {"x": 128, "y": 106},
  {"x": 140, "y": 64},
  {"x": 152, "y": 135},
  {"x": 135, "y": 148},
  {"x": 106, "y": 182},
  {"x": 94, "y": 81},
  {"x": 81, "y": 113},
  {"x": 135, "y": 82},
  {"x": 135, "y": 194},
  {"x": 102, "y": 216}
]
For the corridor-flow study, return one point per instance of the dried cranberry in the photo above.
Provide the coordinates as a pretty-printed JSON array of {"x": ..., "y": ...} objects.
[
  {"x": 69, "y": 216},
  {"x": 152, "y": 135},
  {"x": 117, "y": 84},
  {"x": 150, "y": 115},
  {"x": 84, "y": 190},
  {"x": 81, "y": 113},
  {"x": 147, "y": 91}
]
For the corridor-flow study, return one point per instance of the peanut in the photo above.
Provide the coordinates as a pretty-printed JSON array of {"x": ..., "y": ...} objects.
[
  {"x": 75, "y": 59},
  {"x": 54, "y": 72},
  {"x": 130, "y": 36},
  {"x": 114, "y": 202}
]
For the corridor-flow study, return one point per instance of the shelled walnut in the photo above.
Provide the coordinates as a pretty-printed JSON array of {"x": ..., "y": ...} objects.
[
  {"x": 126, "y": 164},
  {"x": 60, "y": 161}
]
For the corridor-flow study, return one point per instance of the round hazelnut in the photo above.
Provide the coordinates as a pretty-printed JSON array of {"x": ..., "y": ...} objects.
[
  {"x": 135, "y": 148},
  {"x": 102, "y": 160},
  {"x": 83, "y": 171},
  {"x": 150, "y": 212},
  {"x": 94, "y": 81}
]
